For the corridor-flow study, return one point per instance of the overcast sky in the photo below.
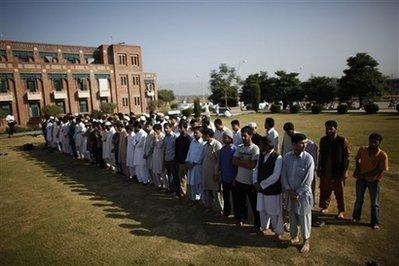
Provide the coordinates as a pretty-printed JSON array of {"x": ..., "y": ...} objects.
[{"x": 183, "y": 41}]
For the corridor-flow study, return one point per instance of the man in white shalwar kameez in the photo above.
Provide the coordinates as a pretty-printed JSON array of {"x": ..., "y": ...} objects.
[
  {"x": 139, "y": 162},
  {"x": 194, "y": 159},
  {"x": 297, "y": 176},
  {"x": 130, "y": 152},
  {"x": 108, "y": 154},
  {"x": 49, "y": 131},
  {"x": 266, "y": 178}
]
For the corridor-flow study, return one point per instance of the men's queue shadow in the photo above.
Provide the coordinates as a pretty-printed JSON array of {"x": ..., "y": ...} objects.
[{"x": 143, "y": 211}]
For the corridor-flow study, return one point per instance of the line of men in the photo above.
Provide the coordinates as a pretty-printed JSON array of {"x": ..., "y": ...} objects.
[{"x": 210, "y": 164}]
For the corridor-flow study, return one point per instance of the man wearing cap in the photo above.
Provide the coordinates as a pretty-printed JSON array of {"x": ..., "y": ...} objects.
[
  {"x": 139, "y": 161},
  {"x": 228, "y": 170},
  {"x": 256, "y": 136},
  {"x": 297, "y": 176},
  {"x": 11, "y": 124}
]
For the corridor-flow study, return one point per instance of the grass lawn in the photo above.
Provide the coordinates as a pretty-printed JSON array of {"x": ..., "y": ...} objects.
[{"x": 55, "y": 210}]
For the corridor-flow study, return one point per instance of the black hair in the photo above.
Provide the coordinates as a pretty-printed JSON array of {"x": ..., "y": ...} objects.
[
  {"x": 209, "y": 132},
  {"x": 269, "y": 121},
  {"x": 198, "y": 128},
  {"x": 266, "y": 141},
  {"x": 183, "y": 124},
  {"x": 218, "y": 121},
  {"x": 248, "y": 130},
  {"x": 137, "y": 124},
  {"x": 288, "y": 126},
  {"x": 167, "y": 124},
  {"x": 235, "y": 122},
  {"x": 375, "y": 136},
  {"x": 331, "y": 123},
  {"x": 297, "y": 137},
  {"x": 157, "y": 127}
]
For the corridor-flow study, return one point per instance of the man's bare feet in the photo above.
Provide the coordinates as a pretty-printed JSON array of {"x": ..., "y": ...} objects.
[
  {"x": 324, "y": 211},
  {"x": 341, "y": 215},
  {"x": 295, "y": 240},
  {"x": 306, "y": 246}
]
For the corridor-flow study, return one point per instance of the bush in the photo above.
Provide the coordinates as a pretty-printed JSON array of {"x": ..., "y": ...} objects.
[
  {"x": 275, "y": 108},
  {"x": 371, "y": 108},
  {"x": 107, "y": 108},
  {"x": 173, "y": 106},
  {"x": 187, "y": 112},
  {"x": 342, "y": 108},
  {"x": 52, "y": 110},
  {"x": 317, "y": 108},
  {"x": 397, "y": 107},
  {"x": 294, "y": 109}
]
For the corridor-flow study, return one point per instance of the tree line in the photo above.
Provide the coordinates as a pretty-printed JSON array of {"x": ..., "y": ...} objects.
[{"x": 361, "y": 79}]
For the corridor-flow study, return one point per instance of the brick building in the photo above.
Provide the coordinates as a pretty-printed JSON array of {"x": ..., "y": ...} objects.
[{"x": 76, "y": 78}]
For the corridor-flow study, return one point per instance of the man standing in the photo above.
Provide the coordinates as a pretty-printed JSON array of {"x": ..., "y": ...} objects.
[
  {"x": 194, "y": 160},
  {"x": 332, "y": 167},
  {"x": 169, "y": 151},
  {"x": 271, "y": 133},
  {"x": 149, "y": 148},
  {"x": 245, "y": 157},
  {"x": 219, "y": 130},
  {"x": 256, "y": 136},
  {"x": 266, "y": 178},
  {"x": 289, "y": 131},
  {"x": 210, "y": 171},
  {"x": 182, "y": 145},
  {"x": 11, "y": 124},
  {"x": 297, "y": 176},
  {"x": 371, "y": 162},
  {"x": 143, "y": 176},
  {"x": 228, "y": 171},
  {"x": 130, "y": 152},
  {"x": 235, "y": 125}
]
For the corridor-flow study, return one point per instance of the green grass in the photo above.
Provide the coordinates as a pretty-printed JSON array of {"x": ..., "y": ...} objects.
[{"x": 55, "y": 210}]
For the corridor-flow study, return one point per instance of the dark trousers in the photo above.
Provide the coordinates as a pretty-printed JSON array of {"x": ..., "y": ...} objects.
[
  {"x": 240, "y": 193},
  {"x": 73, "y": 147},
  {"x": 325, "y": 195},
  {"x": 226, "y": 198},
  {"x": 173, "y": 177},
  {"x": 374, "y": 190},
  {"x": 98, "y": 151}
]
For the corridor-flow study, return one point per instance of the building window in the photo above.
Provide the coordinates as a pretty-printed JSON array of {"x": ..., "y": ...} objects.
[
  {"x": 123, "y": 80},
  {"x": 122, "y": 59},
  {"x": 6, "y": 107},
  {"x": 90, "y": 59},
  {"x": 61, "y": 104},
  {"x": 103, "y": 100},
  {"x": 3, "y": 55},
  {"x": 71, "y": 58},
  {"x": 31, "y": 85},
  {"x": 48, "y": 57},
  {"x": 34, "y": 109},
  {"x": 136, "y": 80},
  {"x": 125, "y": 101},
  {"x": 83, "y": 107},
  {"x": 136, "y": 100},
  {"x": 23, "y": 56},
  {"x": 81, "y": 84},
  {"x": 3, "y": 85},
  {"x": 135, "y": 60},
  {"x": 57, "y": 83}
]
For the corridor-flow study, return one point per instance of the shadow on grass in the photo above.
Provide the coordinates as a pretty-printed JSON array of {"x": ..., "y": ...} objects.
[{"x": 142, "y": 210}]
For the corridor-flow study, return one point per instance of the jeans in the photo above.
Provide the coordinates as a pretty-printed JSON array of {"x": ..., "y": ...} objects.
[{"x": 374, "y": 190}]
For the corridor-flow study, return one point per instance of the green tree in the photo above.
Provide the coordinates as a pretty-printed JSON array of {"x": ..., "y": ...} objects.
[
  {"x": 52, "y": 110},
  {"x": 251, "y": 89},
  {"x": 362, "y": 79},
  {"x": 197, "y": 107},
  {"x": 320, "y": 89},
  {"x": 107, "y": 108},
  {"x": 224, "y": 84},
  {"x": 286, "y": 87},
  {"x": 166, "y": 96}
]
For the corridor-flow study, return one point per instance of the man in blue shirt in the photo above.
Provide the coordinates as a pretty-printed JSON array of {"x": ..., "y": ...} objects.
[{"x": 228, "y": 170}]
